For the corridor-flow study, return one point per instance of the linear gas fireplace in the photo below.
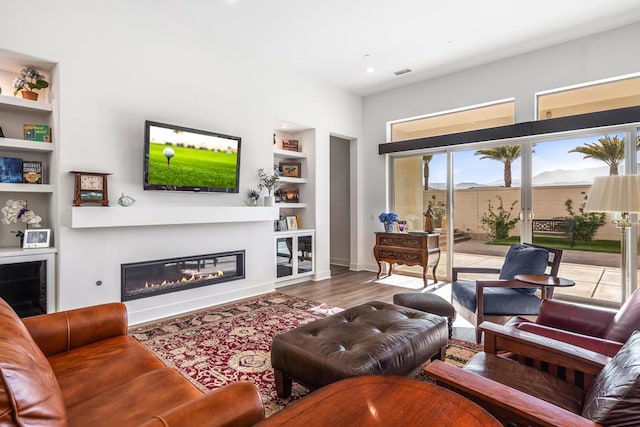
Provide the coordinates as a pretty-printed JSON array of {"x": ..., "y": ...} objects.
[{"x": 149, "y": 278}]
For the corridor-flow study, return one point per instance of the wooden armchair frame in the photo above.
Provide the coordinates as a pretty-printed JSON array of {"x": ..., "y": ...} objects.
[
  {"x": 477, "y": 317},
  {"x": 574, "y": 364}
]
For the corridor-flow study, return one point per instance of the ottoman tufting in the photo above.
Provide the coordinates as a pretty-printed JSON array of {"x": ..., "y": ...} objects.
[{"x": 372, "y": 338}]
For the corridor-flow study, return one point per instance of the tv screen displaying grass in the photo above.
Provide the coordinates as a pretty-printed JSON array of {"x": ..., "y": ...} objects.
[{"x": 177, "y": 158}]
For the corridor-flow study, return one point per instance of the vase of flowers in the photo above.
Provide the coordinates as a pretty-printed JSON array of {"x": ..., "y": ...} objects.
[
  {"x": 270, "y": 183},
  {"x": 16, "y": 211},
  {"x": 28, "y": 82},
  {"x": 253, "y": 196},
  {"x": 389, "y": 220}
]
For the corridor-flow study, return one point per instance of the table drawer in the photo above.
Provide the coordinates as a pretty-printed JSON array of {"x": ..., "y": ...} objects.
[
  {"x": 400, "y": 255},
  {"x": 404, "y": 241}
]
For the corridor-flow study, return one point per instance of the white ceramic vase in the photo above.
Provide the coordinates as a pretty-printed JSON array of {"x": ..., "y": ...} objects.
[{"x": 269, "y": 200}]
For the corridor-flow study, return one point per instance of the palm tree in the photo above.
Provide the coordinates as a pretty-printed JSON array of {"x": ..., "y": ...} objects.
[
  {"x": 609, "y": 150},
  {"x": 507, "y": 155},
  {"x": 425, "y": 171}
]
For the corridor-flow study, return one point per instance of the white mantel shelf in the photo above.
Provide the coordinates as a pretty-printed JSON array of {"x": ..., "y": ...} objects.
[{"x": 117, "y": 216}]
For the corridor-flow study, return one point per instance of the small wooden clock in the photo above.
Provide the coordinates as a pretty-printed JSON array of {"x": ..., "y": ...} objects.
[{"x": 91, "y": 187}]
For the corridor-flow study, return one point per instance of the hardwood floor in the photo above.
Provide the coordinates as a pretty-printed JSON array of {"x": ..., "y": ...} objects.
[{"x": 349, "y": 288}]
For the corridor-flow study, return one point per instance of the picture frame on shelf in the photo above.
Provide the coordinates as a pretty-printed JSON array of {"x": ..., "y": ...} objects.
[
  {"x": 290, "y": 170},
  {"x": 289, "y": 195},
  {"x": 282, "y": 225},
  {"x": 37, "y": 238},
  {"x": 292, "y": 222},
  {"x": 1, "y": 132},
  {"x": 290, "y": 144}
]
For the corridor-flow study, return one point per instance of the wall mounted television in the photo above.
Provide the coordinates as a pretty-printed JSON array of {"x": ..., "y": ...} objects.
[{"x": 177, "y": 158}]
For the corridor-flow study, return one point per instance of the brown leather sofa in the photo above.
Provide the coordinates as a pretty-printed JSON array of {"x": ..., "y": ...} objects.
[{"x": 79, "y": 368}]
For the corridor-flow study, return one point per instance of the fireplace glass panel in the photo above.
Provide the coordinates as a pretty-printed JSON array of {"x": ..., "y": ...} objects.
[{"x": 148, "y": 278}]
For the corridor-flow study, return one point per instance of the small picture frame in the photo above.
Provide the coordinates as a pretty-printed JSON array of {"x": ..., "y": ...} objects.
[
  {"x": 1, "y": 133},
  {"x": 36, "y": 238},
  {"x": 289, "y": 195},
  {"x": 292, "y": 222},
  {"x": 291, "y": 170},
  {"x": 290, "y": 145}
]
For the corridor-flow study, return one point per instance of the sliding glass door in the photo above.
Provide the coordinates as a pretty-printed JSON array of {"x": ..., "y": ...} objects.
[{"x": 487, "y": 196}]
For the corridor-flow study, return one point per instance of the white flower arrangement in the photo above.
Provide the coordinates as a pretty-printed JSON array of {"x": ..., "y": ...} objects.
[
  {"x": 29, "y": 79},
  {"x": 16, "y": 211}
]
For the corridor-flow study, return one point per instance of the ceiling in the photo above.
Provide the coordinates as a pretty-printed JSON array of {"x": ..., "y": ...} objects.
[{"x": 327, "y": 40}]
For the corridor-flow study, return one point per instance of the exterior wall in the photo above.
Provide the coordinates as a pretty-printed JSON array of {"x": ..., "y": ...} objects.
[{"x": 548, "y": 203}]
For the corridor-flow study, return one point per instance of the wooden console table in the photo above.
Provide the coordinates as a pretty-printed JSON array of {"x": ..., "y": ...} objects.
[{"x": 410, "y": 249}]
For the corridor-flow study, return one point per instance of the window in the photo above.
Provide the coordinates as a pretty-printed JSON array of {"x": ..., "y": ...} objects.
[
  {"x": 589, "y": 98},
  {"x": 468, "y": 118}
]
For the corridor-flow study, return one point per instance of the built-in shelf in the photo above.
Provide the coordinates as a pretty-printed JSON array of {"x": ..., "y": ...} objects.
[
  {"x": 12, "y": 103},
  {"x": 288, "y": 154},
  {"x": 284, "y": 205},
  {"x": 290, "y": 232},
  {"x": 139, "y": 216},
  {"x": 292, "y": 180},
  {"x": 26, "y": 188},
  {"x": 20, "y": 252},
  {"x": 12, "y": 144}
]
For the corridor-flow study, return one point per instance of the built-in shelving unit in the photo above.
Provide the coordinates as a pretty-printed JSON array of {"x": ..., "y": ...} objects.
[
  {"x": 15, "y": 112},
  {"x": 294, "y": 248}
]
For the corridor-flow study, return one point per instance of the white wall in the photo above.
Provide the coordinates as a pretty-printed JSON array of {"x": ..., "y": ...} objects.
[
  {"x": 120, "y": 63},
  {"x": 604, "y": 55}
]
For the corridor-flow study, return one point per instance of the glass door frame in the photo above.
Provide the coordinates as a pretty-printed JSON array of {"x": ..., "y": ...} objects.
[{"x": 527, "y": 213}]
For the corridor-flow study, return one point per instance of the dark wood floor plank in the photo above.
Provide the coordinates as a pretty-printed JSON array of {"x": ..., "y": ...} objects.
[{"x": 348, "y": 288}]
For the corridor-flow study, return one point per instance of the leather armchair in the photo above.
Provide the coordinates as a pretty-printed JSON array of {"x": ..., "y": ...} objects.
[
  {"x": 550, "y": 384},
  {"x": 597, "y": 329}
]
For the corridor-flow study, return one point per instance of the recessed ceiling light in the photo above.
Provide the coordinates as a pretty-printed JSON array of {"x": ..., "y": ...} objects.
[
  {"x": 370, "y": 69},
  {"x": 284, "y": 126}
]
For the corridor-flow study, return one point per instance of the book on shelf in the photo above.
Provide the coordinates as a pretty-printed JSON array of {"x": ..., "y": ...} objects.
[
  {"x": 41, "y": 133},
  {"x": 10, "y": 170},
  {"x": 32, "y": 171}
]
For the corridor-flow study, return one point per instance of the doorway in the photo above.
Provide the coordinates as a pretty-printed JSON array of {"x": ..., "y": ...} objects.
[{"x": 340, "y": 201}]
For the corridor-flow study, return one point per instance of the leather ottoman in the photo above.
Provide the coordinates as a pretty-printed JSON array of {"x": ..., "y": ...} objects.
[
  {"x": 372, "y": 338},
  {"x": 429, "y": 303}
]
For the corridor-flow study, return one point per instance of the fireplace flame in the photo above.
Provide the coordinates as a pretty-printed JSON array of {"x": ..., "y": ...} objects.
[{"x": 185, "y": 279}]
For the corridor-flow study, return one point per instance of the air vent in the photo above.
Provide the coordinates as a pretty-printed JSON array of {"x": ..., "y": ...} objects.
[{"x": 401, "y": 72}]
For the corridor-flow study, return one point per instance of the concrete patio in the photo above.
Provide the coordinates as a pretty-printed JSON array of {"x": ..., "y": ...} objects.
[{"x": 597, "y": 275}]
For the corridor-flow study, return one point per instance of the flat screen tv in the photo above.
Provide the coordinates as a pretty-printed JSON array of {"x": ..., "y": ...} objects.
[{"x": 177, "y": 158}]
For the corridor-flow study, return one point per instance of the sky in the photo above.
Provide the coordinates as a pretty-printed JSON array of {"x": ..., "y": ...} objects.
[{"x": 547, "y": 156}]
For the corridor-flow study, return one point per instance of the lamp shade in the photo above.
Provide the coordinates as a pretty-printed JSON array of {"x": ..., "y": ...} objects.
[{"x": 616, "y": 193}]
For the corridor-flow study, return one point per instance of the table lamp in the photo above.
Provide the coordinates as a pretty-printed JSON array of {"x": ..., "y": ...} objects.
[{"x": 617, "y": 194}]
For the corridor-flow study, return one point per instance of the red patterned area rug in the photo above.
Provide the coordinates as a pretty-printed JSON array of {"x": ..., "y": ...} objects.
[{"x": 230, "y": 343}]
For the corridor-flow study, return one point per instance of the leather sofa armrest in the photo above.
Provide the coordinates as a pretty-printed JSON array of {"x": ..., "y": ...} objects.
[
  {"x": 572, "y": 317},
  {"x": 59, "y": 332},
  {"x": 237, "y": 404},
  {"x": 507, "y": 404},
  {"x": 599, "y": 345},
  {"x": 525, "y": 344}
]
